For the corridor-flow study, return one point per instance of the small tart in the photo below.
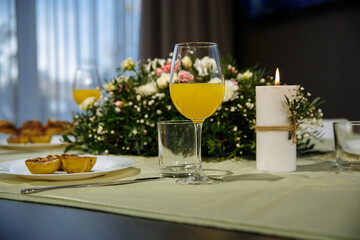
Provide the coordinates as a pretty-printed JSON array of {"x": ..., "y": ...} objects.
[
  {"x": 73, "y": 163},
  {"x": 31, "y": 131},
  {"x": 7, "y": 127},
  {"x": 18, "y": 139},
  {"x": 56, "y": 156},
  {"x": 40, "y": 138},
  {"x": 43, "y": 165}
]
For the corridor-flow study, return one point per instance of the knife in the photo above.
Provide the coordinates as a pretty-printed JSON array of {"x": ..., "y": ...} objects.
[{"x": 99, "y": 184}]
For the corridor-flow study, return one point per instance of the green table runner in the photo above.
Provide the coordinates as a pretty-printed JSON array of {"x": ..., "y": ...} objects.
[{"x": 316, "y": 202}]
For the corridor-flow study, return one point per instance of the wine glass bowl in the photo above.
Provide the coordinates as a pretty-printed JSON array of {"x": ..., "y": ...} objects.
[
  {"x": 197, "y": 89},
  {"x": 86, "y": 84}
]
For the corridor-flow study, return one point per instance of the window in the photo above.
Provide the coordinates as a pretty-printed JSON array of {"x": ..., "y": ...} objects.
[{"x": 68, "y": 34}]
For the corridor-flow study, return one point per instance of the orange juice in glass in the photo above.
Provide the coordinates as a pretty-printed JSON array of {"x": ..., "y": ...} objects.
[
  {"x": 86, "y": 84},
  {"x": 81, "y": 94},
  {"x": 197, "y": 101}
]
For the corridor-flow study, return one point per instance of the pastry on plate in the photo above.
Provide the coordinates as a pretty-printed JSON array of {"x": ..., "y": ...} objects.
[
  {"x": 18, "y": 139},
  {"x": 43, "y": 138},
  {"x": 7, "y": 127},
  {"x": 32, "y": 127},
  {"x": 73, "y": 163},
  {"x": 43, "y": 165},
  {"x": 57, "y": 127}
]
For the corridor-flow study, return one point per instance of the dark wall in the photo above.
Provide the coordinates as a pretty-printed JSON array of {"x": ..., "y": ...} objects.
[{"x": 318, "y": 48}]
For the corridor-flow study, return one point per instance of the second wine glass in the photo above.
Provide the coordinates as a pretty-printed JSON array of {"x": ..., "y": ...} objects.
[
  {"x": 86, "y": 84},
  {"x": 197, "y": 89}
]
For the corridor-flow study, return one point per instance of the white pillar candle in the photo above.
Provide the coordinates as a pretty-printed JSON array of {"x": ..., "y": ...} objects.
[{"x": 274, "y": 151}]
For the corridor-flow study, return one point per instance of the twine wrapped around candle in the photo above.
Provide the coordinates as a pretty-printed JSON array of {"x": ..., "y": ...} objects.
[{"x": 292, "y": 129}]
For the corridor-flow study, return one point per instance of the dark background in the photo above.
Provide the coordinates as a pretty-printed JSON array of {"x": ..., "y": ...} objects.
[
  {"x": 315, "y": 43},
  {"x": 317, "y": 47}
]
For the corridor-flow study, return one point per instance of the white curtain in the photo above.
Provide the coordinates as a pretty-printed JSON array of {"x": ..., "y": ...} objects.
[
  {"x": 70, "y": 34},
  {"x": 8, "y": 60}
]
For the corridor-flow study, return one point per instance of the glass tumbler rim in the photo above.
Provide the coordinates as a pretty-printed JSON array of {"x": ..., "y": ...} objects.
[
  {"x": 197, "y": 44},
  {"x": 347, "y": 123},
  {"x": 174, "y": 122}
]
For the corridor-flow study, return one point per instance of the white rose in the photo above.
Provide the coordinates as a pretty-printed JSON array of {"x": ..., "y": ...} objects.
[
  {"x": 88, "y": 102},
  {"x": 128, "y": 64},
  {"x": 231, "y": 90},
  {"x": 147, "y": 89},
  {"x": 208, "y": 62},
  {"x": 246, "y": 75},
  {"x": 198, "y": 66},
  {"x": 163, "y": 80},
  {"x": 204, "y": 65},
  {"x": 186, "y": 61},
  {"x": 109, "y": 87}
]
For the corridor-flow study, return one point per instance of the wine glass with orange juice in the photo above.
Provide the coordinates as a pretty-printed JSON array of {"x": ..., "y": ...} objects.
[
  {"x": 86, "y": 84},
  {"x": 197, "y": 89}
]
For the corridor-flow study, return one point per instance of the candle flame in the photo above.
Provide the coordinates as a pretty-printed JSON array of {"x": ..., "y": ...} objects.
[{"x": 277, "y": 77}]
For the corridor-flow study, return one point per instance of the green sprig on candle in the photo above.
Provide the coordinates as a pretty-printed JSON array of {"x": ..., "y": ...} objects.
[{"x": 304, "y": 115}]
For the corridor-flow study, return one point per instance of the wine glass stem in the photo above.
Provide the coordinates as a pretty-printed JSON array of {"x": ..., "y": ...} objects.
[{"x": 198, "y": 129}]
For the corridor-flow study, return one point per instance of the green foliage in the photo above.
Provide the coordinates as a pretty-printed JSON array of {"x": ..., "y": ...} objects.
[
  {"x": 305, "y": 117},
  {"x": 124, "y": 120}
]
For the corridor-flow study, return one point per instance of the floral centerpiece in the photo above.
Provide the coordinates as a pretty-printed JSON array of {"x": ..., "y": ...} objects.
[{"x": 123, "y": 120}]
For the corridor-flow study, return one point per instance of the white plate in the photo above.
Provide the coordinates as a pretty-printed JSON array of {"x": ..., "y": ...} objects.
[
  {"x": 54, "y": 143},
  {"x": 104, "y": 165}
]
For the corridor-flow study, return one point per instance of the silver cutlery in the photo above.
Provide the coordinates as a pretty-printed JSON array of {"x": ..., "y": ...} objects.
[{"x": 99, "y": 184}]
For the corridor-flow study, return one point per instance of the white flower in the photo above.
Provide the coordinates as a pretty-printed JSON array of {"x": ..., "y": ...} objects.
[
  {"x": 151, "y": 102},
  {"x": 215, "y": 80},
  {"x": 128, "y": 64},
  {"x": 134, "y": 131},
  {"x": 204, "y": 65},
  {"x": 109, "y": 86},
  {"x": 99, "y": 113},
  {"x": 160, "y": 95},
  {"x": 146, "y": 115},
  {"x": 186, "y": 61},
  {"x": 117, "y": 109},
  {"x": 249, "y": 105},
  {"x": 138, "y": 97},
  {"x": 208, "y": 62},
  {"x": 246, "y": 75},
  {"x": 163, "y": 80},
  {"x": 231, "y": 90},
  {"x": 158, "y": 111},
  {"x": 88, "y": 102},
  {"x": 147, "y": 89},
  {"x": 100, "y": 129},
  {"x": 121, "y": 79}
]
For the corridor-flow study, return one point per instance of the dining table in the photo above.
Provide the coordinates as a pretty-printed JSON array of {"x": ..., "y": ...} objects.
[{"x": 317, "y": 201}]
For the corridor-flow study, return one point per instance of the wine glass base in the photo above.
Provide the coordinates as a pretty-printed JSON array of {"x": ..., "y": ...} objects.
[{"x": 198, "y": 180}]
